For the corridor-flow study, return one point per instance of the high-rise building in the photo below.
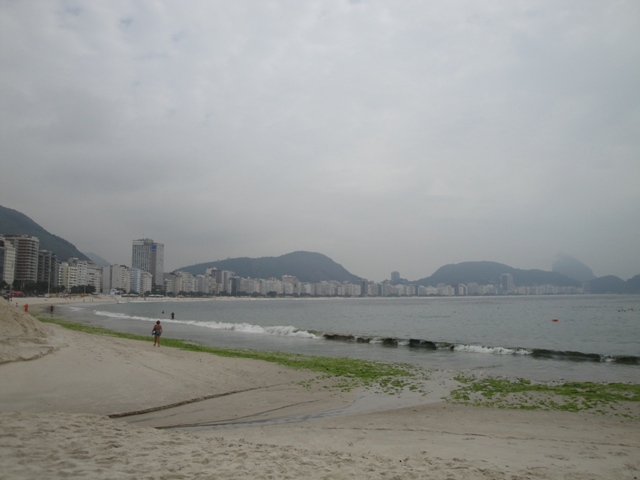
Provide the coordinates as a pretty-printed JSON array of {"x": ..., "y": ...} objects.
[
  {"x": 27, "y": 248},
  {"x": 364, "y": 287},
  {"x": 7, "y": 261},
  {"x": 506, "y": 282},
  {"x": 148, "y": 255},
  {"x": 48, "y": 268}
]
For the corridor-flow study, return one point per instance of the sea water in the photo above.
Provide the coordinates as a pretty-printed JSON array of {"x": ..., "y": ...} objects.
[{"x": 547, "y": 338}]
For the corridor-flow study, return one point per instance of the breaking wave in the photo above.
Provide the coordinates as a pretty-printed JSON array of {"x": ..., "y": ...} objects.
[
  {"x": 427, "y": 345},
  {"x": 279, "y": 330},
  {"x": 537, "y": 353}
]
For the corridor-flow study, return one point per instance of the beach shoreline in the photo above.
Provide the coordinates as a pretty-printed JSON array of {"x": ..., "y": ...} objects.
[{"x": 246, "y": 418}]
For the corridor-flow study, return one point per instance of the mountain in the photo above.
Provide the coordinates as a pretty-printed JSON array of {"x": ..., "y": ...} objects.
[
  {"x": 13, "y": 222},
  {"x": 315, "y": 267},
  {"x": 633, "y": 284},
  {"x": 306, "y": 266},
  {"x": 613, "y": 284},
  {"x": 572, "y": 268},
  {"x": 485, "y": 273},
  {"x": 97, "y": 259}
]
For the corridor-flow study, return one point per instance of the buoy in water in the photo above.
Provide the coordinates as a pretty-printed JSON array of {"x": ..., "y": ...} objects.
[{"x": 555, "y": 320}]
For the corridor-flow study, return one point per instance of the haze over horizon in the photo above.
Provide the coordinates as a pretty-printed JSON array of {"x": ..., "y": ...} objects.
[{"x": 385, "y": 135}]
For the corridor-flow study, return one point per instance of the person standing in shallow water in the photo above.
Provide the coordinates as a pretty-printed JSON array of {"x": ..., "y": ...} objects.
[{"x": 156, "y": 332}]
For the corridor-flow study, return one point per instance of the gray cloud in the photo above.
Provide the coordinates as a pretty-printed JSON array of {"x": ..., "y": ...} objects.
[{"x": 389, "y": 136}]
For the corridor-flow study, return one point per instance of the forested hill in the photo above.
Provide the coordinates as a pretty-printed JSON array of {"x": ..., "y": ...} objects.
[
  {"x": 488, "y": 273},
  {"x": 315, "y": 267},
  {"x": 485, "y": 273},
  {"x": 13, "y": 222},
  {"x": 306, "y": 266}
]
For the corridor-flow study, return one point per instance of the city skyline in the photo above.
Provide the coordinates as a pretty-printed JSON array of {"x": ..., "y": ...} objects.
[
  {"x": 148, "y": 256},
  {"x": 388, "y": 136},
  {"x": 21, "y": 260}
]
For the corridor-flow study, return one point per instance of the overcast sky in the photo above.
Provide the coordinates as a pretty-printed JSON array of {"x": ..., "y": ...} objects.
[{"x": 387, "y": 135}]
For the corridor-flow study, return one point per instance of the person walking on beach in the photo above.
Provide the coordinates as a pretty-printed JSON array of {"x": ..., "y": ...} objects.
[
  {"x": 157, "y": 331},
  {"x": 51, "y": 310}
]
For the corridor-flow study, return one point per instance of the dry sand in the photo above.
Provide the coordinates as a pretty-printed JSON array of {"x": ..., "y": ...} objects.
[{"x": 58, "y": 389}]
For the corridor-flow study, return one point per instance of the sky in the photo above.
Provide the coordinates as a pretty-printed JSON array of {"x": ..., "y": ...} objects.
[{"x": 387, "y": 135}]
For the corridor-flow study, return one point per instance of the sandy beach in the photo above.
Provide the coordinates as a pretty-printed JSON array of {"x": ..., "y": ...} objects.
[{"x": 75, "y": 405}]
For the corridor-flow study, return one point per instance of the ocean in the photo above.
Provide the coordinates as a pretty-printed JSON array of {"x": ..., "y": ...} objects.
[{"x": 545, "y": 338}]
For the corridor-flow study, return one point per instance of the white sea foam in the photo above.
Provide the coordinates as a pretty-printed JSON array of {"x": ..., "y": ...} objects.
[
  {"x": 123, "y": 316},
  {"x": 278, "y": 330},
  {"x": 492, "y": 350}
]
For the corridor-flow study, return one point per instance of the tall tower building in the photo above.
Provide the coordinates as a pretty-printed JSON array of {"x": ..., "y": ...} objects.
[
  {"x": 148, "y": 256},
  {"x": 506, "y": 281},
  {"x": 48, "y": 268},
  {"x": 7, "y": 261},
  {"x": 27, "y": 248}
]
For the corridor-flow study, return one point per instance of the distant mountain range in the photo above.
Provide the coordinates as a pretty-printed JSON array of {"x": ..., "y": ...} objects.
[
  {"x": 488, "y": 273},
  {"x": 13, "y": 222},
  {"x": 574, "y": 274},
  {"x": 306, "y": 266},
  {"x": 315, "y": 267}
]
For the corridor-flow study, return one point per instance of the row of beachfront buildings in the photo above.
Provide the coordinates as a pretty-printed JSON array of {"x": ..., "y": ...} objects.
[
  {"x": 23, "y": 263},
  {"x": 24, "y": 266}
]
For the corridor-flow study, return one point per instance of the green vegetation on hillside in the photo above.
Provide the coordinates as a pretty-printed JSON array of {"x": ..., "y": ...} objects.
[
  {"x": 306, "y": 266},
  {"x": 13, "y": 222}
]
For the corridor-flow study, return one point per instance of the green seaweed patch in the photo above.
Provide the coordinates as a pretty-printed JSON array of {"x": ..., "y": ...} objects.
[
  {"x": 620, "y": 399},
  {"x": 345, "y": 373}
]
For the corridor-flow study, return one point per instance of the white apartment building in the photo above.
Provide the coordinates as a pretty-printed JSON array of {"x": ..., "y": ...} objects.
[
  {"x": 183, "y": 282},
  {"x": 202, "y": 283},
  {"x": 94, "y": 276},
  {"x": 248, "y": 285},
  {"x": 74, "y": 273},
  {"x": 306, "y": 289},
  {"x": 26, "y": 251},
  {"x": 140, "y": 281},
  {"x": 168, "y": 282},
  {"x": 273, "y": 285},
  {"x": 116, "y": 277},
  {"x": 7, "y": 261},
  {"x": 68, "y": 275}
]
